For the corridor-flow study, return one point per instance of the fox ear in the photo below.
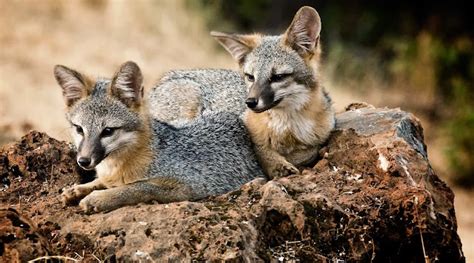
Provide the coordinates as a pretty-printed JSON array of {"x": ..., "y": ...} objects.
[
  {"x": 303, "y": 33},
  {"x": 237, "y": 45},
  {"x": 127, "y": 84},
  {"x": 73, "y": 83}
]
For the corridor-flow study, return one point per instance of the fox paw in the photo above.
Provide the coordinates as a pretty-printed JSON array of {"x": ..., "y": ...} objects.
[
  {"x": 73, "y": 194},
  {"x": 283, "y": 170},
  {"x": 95, "y": 202}
]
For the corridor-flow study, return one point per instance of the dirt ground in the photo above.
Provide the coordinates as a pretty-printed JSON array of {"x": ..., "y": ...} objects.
[{"x": 97, "y": 36}]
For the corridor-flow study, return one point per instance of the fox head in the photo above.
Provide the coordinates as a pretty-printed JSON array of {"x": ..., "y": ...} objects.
[
  {"x": 278, "y": 69},
  {"x": 104, "y": 114}
]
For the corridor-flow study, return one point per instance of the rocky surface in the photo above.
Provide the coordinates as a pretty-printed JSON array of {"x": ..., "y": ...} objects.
[{"x": 372, "y": 196}]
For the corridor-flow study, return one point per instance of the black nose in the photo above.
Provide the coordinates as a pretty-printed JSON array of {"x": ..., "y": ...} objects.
[
  {"x": 251, "y": 102},
  {"x": 84, "y": 162}
]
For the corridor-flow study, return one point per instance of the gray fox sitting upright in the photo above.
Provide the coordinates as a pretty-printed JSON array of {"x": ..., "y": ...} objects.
[
  {"x": 289, "y": 113},
  {"x": 139, "y": 159}
]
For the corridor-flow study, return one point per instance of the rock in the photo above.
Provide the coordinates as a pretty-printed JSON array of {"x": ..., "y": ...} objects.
[
  {"x": 373, "y": 196},
  {"x": 19, "y": 238}
]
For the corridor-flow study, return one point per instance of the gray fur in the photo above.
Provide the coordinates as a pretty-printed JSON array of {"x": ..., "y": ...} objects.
[
  {"x": 226, "y": 90},
  {"x": 100, "y": 110},
  {"x": 281, "y": 80},
  {"x": 212, "y": 89},
  {"x": 211, "y": 155},
  {"x": 270, "y": 56}
]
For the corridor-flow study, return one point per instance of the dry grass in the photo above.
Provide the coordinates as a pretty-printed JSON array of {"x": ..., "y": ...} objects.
[{"x": 55, "y": 258}]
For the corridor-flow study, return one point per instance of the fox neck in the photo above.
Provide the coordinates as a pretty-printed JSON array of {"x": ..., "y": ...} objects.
[
  {"x": 302, "y": 121},
  {"x": 130, "y": 164},
  {"x": 295, "y": 120}
]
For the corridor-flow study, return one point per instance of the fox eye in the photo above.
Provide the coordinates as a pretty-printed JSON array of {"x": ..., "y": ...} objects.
[
  {"x": 278, "y": 77},
  {"x": 79, "y": 129},
  {"x": 249, "y": 77},
  {"x": 107, "y": 132}
]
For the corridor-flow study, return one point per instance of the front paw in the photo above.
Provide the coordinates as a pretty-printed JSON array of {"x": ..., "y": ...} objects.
[
  {"x": 73, "y": 194},
  {"x": 95, "y": 202},
  {"x": 283, "y": 170}
]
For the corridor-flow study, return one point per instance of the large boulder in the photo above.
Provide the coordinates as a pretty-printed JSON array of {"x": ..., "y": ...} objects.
[{"x": 372, "y": 196}]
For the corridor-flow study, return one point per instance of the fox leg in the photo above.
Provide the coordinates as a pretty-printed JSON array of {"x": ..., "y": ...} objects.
[
  {"x": 304, "y": 157},
  {"x": 161, "y": 189},
  {"x": 274, "y": 164},
  {"x": 77, "y": 192}
]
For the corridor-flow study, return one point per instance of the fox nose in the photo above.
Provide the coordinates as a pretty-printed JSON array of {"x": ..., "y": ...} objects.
[
  {"x": 251, "y": 102},
  {"x": 84, "y": 162}
]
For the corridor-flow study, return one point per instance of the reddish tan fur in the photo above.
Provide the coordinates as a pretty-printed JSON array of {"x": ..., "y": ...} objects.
[{"x": 279, "y": 154}]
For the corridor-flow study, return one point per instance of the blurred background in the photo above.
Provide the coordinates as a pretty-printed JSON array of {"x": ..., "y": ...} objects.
[{"x": 416, "y": 56}]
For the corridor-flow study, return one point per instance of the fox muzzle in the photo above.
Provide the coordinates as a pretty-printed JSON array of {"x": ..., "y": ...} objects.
[
  {"x": 90, "y": 154},
  {"x": 261, "y": 97}
]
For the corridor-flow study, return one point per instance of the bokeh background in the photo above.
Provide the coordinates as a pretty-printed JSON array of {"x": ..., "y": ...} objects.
[{"x": 416, "y": 56}]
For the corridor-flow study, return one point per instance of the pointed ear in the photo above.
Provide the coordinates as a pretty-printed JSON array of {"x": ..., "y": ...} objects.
[
  {"x": 75, "y": 86},
  {"x": 127, "y": 84},
  {"x": 303, "y": 33},
  {"x": 238, "y": 46}
]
